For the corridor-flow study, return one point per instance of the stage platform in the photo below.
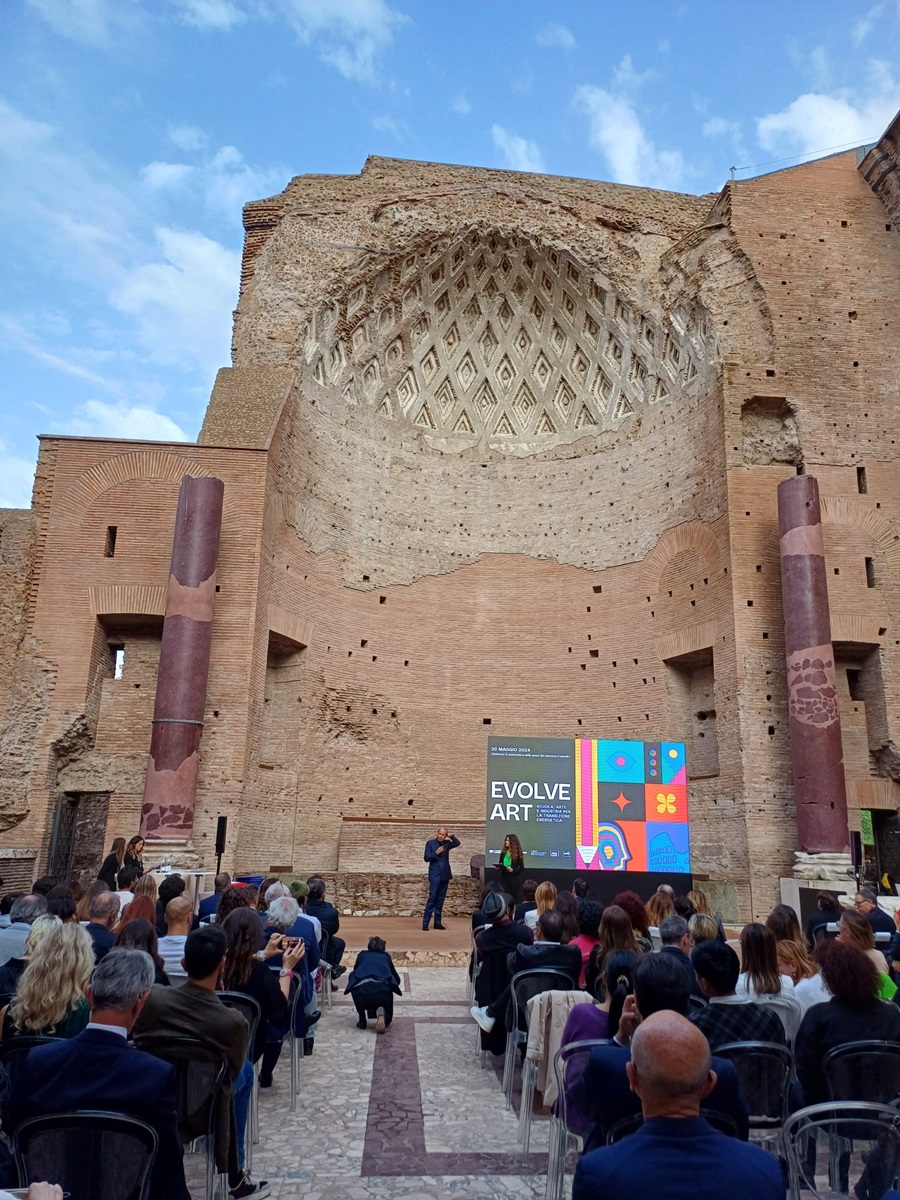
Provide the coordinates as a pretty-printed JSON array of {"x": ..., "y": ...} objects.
[{"x": 408, "y": 943}]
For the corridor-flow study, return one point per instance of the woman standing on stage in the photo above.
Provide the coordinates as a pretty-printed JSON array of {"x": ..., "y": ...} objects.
[
  {"x": 511, "y": 866},
  {"x": 112, "y": 864},
  {"x": 133, "y": 852}
]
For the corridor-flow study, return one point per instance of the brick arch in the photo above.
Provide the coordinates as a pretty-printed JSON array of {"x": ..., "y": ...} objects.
[
  {"x": 693, "y": 536},
  {"x": 159, "y": 465},
  {"x": 846, "y": 510}
]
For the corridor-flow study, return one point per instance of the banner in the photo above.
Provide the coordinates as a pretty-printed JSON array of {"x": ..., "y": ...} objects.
[{"x": 604, "y": 805}]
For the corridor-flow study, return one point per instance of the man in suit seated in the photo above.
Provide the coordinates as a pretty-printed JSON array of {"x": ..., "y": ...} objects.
[
  {"x": 604, "y": 1093},
  {"x": 329, "y": 919},
  {"x": 99, "y": 1070},
  {"x": 103, "y": 915},
  {"x": 194, "y": 1010},
  {"x": 210, "y": 906},
  {"x": 547, "y": 953},
  {"x": 675, "y": 1154},
  {"x": 728, "y": 1017},
  {"x": 676, "y": 942}
]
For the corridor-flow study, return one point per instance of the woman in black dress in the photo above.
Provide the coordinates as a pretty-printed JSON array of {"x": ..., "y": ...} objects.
[
  {"x": 112, "y": 864},
  {"x": 133, "y": 852}
]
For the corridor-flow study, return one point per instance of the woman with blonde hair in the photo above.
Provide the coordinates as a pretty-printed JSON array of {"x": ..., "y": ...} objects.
[
  {"x": 50, "y": 1000},
  {"x": 11, "y": 970},
  {"x": 658, "y": 907},
  {"x": 809, "y": 986},
  {"x": 700, "y": 901},
  {"x": 703, "y": 928},
  {"x": 146, "y": 886},
  {"x": 83, "y": 907},
  {"x": 854, "y": 928},
  {"x": 544, "y": 899}
]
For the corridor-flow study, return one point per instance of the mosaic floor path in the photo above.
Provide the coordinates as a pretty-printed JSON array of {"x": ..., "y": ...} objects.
[{"x": 407, "y": 1114}]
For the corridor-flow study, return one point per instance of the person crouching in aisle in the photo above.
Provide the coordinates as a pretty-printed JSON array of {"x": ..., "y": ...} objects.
[{"x": 373, "y": 982}]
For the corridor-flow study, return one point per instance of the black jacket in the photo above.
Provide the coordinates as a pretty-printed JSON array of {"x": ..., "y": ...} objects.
[
  {"x": 548, "y": 956},
  {"x": 103, "y": 939},
  {"x": 832, "y": 1024},
  {"x": 109, "y": 870},
  {"x": 328, "y": 915},
  {"x": 374, "y": 965}
]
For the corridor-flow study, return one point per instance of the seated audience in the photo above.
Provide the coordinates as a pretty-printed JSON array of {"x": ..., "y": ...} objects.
[
  {"x": 103, "y": 915},
  {"x": 141, "y": 908},
  {"x": 208, "y": 907},
  {"x": 44, "y": 886},
  {"x": 866, "y": 903},
  {"x": 478, "y": 917},
  {"x": 171, "y": 888},
  {"x": 6, "y": 905},
  {"x": 233, "y": 898},
  {"x": 298, "y": 890},
  {"x": 527, "y": 903},
  {"x": 603, "y": 1092},
  {"x": 702, "y": 929},
  {"x": 98, "y": 1069},
  {"x": 195, "y": 1010},
  {"x": 179, "y": 914},
  {"x": 493, "y": 946},
  {"x": 616, "y": 933},
  {"x": 125, "y": 881},
  {"x": 12, "y": 969},
  {"x": 546, "y": 953},
  {"x": 62, "y": 906},
  {"x": 23, "y": 913},
  {"x": 372, "y": 984},
  {"x": 853, "y": 1014},
  {"x": 330, "y": 921},
  {"x": 658, "y": 907},
  {"x": 83, "y": 907},
  {"x": 676, "y": 1154},
  {"x": 636, "y": 910},
  {"x": 268, "y": 882},
  {"x": 759, "y": 957},
  {"x": 544, "y": 899},
  {"x": 146, "y": 886},
  {"x": 596, "y": 1022},
  {"x": 568, "y": 908},
  {"x": 666, "y": 889},
  {"x": 50, "y": 1000},
  {"x": 140, "y": 934},
  {"x": 854, "y": 928},
  {"x": 248, "y": 970},
  {"x": 728, "y": 1017},
  {"x": 809, "y": 986},
  {"x": 283, "y": 920},
  {"x": 683, "y": 907},
  {"x": 783, "y": 922},
  {"x": 703, "y": 908},
  {"x": 828, "y": 912},
  {"x": 588, "y": 933},
  {"x": 580, "y": 888},
  {"x": 676, "y": 943}
]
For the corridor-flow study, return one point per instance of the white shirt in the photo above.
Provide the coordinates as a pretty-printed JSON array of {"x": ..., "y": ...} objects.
[
  {"x": 105, "y": 1029},
  {"x": 171, "y": 951},
  {"x": 531, "y": 918},
  {"x": 124, "y": 899},
  {"x": 808, "y": 992},
  {"x": 316, "y": 924},
  {"x": 745, "y": 988}
]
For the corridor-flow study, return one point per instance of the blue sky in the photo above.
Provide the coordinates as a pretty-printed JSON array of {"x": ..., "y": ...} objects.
[{"x": 132, "y": 132}]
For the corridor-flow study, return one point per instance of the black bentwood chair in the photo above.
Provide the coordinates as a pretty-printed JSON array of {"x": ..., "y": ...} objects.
[
  {"x": 765, "y": 1070},
  {"x": 91, "y": 1155},
  {"x": 868, "y": 1071},
  {"x": 252, "y": 1014}
]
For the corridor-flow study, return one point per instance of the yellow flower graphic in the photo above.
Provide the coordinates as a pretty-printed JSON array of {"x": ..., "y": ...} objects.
[{"x": 665, "y": 802}]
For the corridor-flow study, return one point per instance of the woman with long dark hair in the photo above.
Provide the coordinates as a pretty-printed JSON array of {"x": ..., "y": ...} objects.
[
  {"x": 638, "y": 916},
  {"x": 113, "y": 864},
  {"x": 616, "y": 933},
  {"x": 759, "y": 964},
  {"x": 248, "y": 972},
  {"x": 567, "y": 907},
  {"x": 140, "y": 934},
  {"x": 511, "y": 866},
  {"x": 133, "y": 852}
]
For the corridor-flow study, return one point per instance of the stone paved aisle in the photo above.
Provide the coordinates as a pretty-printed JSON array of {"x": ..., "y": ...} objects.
[{"x": 407, "y": 1114}]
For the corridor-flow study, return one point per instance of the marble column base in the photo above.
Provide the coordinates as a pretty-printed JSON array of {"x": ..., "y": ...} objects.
[{"x": 826, "y": 865}]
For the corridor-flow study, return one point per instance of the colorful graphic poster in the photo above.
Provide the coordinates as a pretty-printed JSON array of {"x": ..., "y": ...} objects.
[{"x": 590, "y": 805}]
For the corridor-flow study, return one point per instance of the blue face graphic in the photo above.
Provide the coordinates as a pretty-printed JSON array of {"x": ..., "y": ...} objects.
[{"x": 612, "y": 853}]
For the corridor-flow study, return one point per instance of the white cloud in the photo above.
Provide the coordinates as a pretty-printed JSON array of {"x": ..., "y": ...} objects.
[
  {"x": 220, "y": 15},
  {"x": 350, "y": 34},
  {"x": 555, "y": 35},
  {"x": 187, "y": 137},
  {"x": 730, "y": 131},
  {"x": 96, "y": 418},
  {"x": 819, "y": 121},
  {"x": 182, "y": 305},
  {"x": 615, "y": 129},
  {"x": 230, "y": 181},
  {"x": 15, "y": 333},
  {"x": 461, "y": 105},
  {"x": 16, "y": 478},
  {"x": 397, "y": 129},
  {"x": 161, "y": 175},
  {"x": 866, "y": 24},
  {"x": 519, "y": 154},
  {"x": 89, "y": 21}
]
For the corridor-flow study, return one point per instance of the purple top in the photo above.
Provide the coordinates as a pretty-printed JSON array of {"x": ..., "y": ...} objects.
[{"x": 585, "y": 1023}]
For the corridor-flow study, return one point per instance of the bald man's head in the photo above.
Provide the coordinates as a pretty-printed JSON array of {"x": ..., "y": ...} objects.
[
  {"x": 666, "y": 889},
  {"x": 670, "y": 1066}
]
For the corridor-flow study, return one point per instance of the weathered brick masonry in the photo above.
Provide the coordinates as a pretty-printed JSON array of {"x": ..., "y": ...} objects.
[{"x": 500, "y": 455}]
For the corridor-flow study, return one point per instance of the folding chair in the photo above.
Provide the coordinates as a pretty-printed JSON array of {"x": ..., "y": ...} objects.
[{"x": 89, "y": 1154}]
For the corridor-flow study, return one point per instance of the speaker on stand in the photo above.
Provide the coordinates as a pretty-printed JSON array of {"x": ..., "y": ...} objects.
[{"x": 221, "y": 829}]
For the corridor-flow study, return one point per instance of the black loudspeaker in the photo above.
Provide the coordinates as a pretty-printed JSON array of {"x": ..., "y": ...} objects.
[
  {"x": 221, "y": 828},
  {"x": 856, "y": 851}
]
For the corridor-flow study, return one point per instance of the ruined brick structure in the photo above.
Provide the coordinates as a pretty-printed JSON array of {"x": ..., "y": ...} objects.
[{"x": 500, "y": 455}]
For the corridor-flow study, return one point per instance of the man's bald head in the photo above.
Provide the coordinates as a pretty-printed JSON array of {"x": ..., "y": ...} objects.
[
  {"x": 666, "y": 889},
  {"x": 670, "y": 1066}
]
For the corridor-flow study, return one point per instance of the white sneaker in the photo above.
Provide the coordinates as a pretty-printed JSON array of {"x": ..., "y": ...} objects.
[{"x": 481, "y": 1016}]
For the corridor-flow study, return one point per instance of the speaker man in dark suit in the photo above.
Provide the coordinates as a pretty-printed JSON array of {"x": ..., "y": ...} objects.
[
  {"x": 437, "y": 855},
  {"x": 99, "y": 1070}
]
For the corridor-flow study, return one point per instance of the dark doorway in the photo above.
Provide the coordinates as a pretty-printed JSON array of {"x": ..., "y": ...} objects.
[{"x": 77, "y": 844}]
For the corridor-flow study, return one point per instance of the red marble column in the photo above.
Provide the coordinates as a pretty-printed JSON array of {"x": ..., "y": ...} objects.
[
  {"x": 819, "y": 787},
  {"x": 171, "y": 785}
]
